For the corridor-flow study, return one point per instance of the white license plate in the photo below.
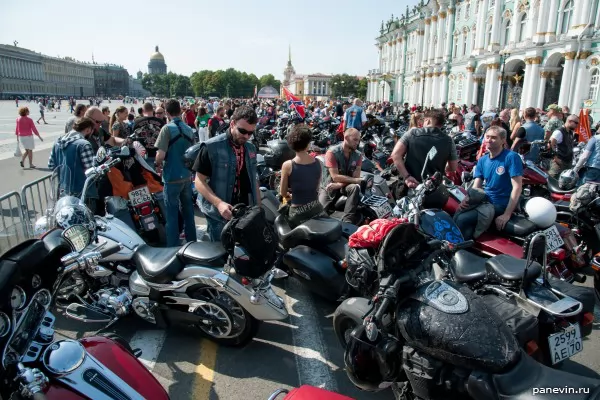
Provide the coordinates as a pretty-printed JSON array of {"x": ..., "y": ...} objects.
[
  {"x": 553, "y": 239},
  {"x": 565, "y": 344},
  {"x": 140, "y": 196},
  {"x": 383, "y": 210},
  {"x": 457, "y": 193}
]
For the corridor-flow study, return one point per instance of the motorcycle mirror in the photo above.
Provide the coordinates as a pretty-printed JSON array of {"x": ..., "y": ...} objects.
[
  {"x": 124, "y": 151},
  {"x": 101, "y": 154},
  {"x": 430, "y": 156}
]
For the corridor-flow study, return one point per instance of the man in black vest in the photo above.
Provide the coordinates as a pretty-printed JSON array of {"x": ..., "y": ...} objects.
[
  {"x": 561, "y": 142},
  {"x": 411, "y": 150},
  {"x": 343, "y": 163}
]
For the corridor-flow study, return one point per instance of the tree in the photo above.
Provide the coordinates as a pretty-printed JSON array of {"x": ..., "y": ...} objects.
[
  {"x": 269, "y": 80},
  {"x": 344, "y": 85},
  {"x": 362, "y": 88}
]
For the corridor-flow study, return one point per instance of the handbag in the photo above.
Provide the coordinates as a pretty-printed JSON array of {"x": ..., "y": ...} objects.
[{"x": 18, "y": 150}]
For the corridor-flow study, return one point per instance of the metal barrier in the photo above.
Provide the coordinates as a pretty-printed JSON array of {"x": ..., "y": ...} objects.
[
  {"x": 35, "y": 197},
  {"x": 14, "y": 228}
]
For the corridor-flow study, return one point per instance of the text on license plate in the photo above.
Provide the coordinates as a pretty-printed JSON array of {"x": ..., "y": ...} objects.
[
  {"x": 383, "y": 210},
  {"x": 565, "y": 344},
  {"x": 140, "y": 196},
  {"x": 553, "y": 239}
]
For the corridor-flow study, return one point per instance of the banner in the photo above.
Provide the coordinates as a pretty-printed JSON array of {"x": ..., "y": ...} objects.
[
  {"x": 583, "y": 130},
  {"x": 294, "y": 102}
]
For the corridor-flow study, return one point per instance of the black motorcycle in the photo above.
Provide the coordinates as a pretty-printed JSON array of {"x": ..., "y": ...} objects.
[{"x": 436, "y": 339}]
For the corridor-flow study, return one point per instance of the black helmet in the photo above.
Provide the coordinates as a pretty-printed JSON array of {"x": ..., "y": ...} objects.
[
  {"x": 372, "y": 366},
  {"x": 76, "y": 214},
  {"x": 190, "y": 155}
]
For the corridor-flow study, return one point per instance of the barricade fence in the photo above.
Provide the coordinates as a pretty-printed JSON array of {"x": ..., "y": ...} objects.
[
  {"x": 36, "y": 197},
  {"x": 14, "y": 228}
]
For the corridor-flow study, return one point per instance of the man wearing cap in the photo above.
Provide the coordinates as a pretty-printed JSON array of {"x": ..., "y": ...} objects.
[
  {"x": 554, "y": 114},
  {"x": 561, "y": 142}
]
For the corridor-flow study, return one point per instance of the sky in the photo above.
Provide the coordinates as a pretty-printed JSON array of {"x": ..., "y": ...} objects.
[{"x": 329, "y": 37}]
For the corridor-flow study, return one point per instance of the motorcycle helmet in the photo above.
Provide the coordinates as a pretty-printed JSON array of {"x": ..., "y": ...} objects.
[
  {"x": 568, "y": 179},
  {"x": 372, "y": 365},
  {"x": 541, "y": 212},
  {"x": 190, "y": 155},
  {"x": 76, "y": 215}
]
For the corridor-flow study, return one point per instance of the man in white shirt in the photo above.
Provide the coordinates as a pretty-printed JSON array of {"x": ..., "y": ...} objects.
[{"x": 42, "y": 109}]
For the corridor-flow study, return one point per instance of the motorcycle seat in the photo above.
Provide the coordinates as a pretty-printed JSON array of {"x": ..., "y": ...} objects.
[
  {"x": 205, "y": 253},
  {"x": 554, "y": 188},
  {"x": 517, "y": 383},
  {"x": 158, "y": 264},
  {"x": 323, "y": 230},
  {"x": 508, "y": 270},
  {"x": 519, "y": 226},
  {"x": 468, "y": 267},
  {"x": 340, "y": 203}
]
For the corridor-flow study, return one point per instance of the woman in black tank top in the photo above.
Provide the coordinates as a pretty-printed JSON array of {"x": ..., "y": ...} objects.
[{"x": 302, "y": 175}]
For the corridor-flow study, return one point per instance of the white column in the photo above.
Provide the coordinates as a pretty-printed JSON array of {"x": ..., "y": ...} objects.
[
  {"x": 439, "y": 52},
  {"x": 449, "y": 29},
  {"x": 540, "y": 31},
  {"x": 515, "y": 23},
  {"x": 380, "y": 54},
  {"x": 474, "y": 99},
  {"x": 425, "y": 95},
  {"x": 525, "y": 95},
  {"x": 582, "y": 83},
  {"x": 551, "y": 27},
  {"x": 444, "y": 91},
  {"x": 481, "y": 17},
  {"x": 487, "y": 92},
  {"x": 597, "y": 12},
  {"x": 542, "y": 89},
  {"x": 398, "y": 51},
  {"x": 426, "y": 38},
  {"x": 432, "y": 33},
  {"x": 496, "y": 25},
  {"x": 565, "y": 83},
  {"x": 531, "y": 23},
  {"x": 420, "y": 47},
  {"x": 585, "y": 13},
  {"x": 468, "y": 86},
  {"x": 493, "y": 98},
  {"x": 534, "y": 85}
]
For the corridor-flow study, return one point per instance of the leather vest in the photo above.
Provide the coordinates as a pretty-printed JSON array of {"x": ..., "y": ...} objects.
[
  {"x": 419, "y": 144},
  {"x": 222, "y": 179},
  {"x": 72, "y": 178},
  {"x": 353, "y": 117},
  {"x": 345, "y": 167},
  {"x": 533, "y": 132},
  {"x": 470, "y": 122},
  {"x": 564, "y": 150}
]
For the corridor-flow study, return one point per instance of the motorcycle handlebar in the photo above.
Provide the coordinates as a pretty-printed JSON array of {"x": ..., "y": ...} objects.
[{"x": 110, "y": 250}]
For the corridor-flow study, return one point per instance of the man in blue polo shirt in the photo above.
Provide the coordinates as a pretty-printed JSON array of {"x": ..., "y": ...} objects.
[{"x": 502, "y": 171}]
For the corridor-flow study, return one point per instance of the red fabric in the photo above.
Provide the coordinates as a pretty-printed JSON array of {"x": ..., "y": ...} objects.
[
  {"x": 306, "y": 392},
  {"x": 294, "y": 102},
  {"x": 372, "y": 235},
  {"x": 583, "y": 129}
]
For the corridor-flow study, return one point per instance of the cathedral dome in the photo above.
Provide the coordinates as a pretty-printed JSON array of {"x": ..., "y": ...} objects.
[{"x": 157, "y": 55}]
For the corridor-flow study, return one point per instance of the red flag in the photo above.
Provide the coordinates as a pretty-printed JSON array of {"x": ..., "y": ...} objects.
[
  {"x": 583, "y": 130},
  {"x": 294, "y": 103}
]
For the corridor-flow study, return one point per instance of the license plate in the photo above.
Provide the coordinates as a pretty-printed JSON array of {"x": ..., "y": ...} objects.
[
  {"x": 383, "y": 210},
  {"x": 140, "y": 196},
  {"x": 553, "y": 239},
  {"x": 457, "y": 193},
  {"x": 565, "y": 344}
]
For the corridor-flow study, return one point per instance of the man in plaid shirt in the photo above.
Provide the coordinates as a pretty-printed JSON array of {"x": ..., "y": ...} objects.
[{"x": 73, "y": 153}]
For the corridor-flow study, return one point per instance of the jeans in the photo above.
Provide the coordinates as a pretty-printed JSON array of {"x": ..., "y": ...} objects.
[
  {"x": 176, "y": 194},
  {"x": 353, "y": 194},
  {"x": 214, "y": 228},
  {"x": 467, "y": 220},
  {"x": 590, "y": 174}
]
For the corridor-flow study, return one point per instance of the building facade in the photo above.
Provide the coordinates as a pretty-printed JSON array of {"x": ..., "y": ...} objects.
[
  {"x": 26, "y": 73},
  {"x": 308, "y": 87},
  {"x": 157, "y": 63},
  {"x": 135, "y": 86},
  {"x": 111, "y": 80},
  {"x": 494, "y": 53}
]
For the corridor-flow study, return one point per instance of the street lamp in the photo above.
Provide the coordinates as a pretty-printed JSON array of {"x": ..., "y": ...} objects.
[{"x": 504, "y": 54}]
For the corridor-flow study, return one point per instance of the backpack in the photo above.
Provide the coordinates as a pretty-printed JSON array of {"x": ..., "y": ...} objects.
[{"x": 250, "y": 230}]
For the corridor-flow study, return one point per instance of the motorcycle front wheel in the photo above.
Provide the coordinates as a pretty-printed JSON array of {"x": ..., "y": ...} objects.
[{"x": 235, "y": 327}]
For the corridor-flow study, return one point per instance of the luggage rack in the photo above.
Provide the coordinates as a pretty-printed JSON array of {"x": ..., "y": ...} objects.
[
  {"x": 540, "y": 295},
  {"x": 374, "y": 200}
]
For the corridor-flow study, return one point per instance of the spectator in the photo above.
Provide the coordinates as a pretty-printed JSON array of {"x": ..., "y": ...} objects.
[{"x": 24, "y": 130}]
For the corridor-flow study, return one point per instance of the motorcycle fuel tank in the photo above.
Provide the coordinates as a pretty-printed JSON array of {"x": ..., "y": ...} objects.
[
  {"x": 451, "y": 323},
  {"x": 440, "y": 225}
]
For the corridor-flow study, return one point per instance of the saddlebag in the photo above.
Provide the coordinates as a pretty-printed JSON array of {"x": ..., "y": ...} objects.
[
  {"x": 523, "y": 325},
  {"x": 317, "y": 271},
  {"x": 582, "y": 294},
  {"x": 361, "y": 272}
]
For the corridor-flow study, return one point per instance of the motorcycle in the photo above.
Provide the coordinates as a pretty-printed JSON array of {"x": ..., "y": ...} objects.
[
  {"x": 306, "y": 392},
  {"x": 34, "y": 364},
  {"x": 431, "y": 338}
]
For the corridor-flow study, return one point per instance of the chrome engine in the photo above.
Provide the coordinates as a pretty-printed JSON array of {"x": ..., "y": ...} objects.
[
  {"x": 143, "y": 307},
  {"x": 117, "y": 301}
]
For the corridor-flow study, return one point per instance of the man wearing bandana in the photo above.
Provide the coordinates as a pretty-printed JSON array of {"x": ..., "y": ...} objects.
[{"x": 226, "y": 171}]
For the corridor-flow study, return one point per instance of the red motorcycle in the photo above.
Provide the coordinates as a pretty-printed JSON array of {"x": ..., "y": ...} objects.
[
  {"x": 34, "y": 364},
  {"x": 306, "y": 392}
]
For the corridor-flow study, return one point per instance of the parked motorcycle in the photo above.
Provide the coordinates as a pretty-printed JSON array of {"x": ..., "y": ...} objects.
[
  {"x": 34, "y": 364},
  {"x": 436, "y": 339}
]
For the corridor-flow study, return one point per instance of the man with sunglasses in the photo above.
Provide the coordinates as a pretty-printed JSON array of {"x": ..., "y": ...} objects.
[
  {"x": 561, "y": 142},
  {"x": 226, "y": 171}
]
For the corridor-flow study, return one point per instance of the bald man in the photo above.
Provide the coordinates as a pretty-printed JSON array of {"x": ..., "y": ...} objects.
[{"x": 343, "y": 163}]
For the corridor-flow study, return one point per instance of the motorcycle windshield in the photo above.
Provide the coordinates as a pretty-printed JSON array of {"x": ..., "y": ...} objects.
[
  {"x": 40, "y": 200},
  {"x": 14, "y": 233},
  {"x": 440, "y": 225}
]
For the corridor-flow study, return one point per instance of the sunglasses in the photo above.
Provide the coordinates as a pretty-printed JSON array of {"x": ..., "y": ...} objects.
[
  {"x": 98, "y": 122},
  {"x": 160, "y": 113},
  {"x": 244, "y": 131},
  {"x": 574, "y": 122}
]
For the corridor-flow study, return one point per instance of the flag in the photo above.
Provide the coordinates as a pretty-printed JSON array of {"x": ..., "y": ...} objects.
[
  {"x": 583, "y": 130},
  {"x": 294, "y": 103}
]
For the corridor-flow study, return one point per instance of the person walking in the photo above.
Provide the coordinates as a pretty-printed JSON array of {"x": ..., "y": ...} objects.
[
  {"x": 24, "y": 130},
  {"x": 172, "y": 142},
  {"x": 202, "y": 124},
  {"x": 42, "y": 109}
]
